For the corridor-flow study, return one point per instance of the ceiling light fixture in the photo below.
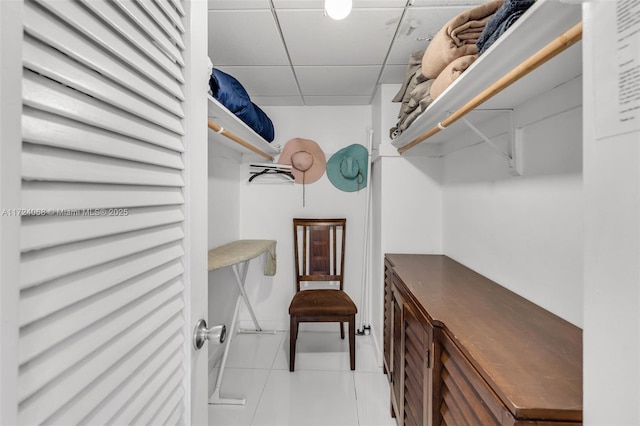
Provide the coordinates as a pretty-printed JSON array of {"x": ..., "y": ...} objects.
[{"x": 337, "y": 9}]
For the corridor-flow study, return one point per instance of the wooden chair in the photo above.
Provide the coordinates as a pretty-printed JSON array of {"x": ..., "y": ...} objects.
[{"x": 319, "y": 257}]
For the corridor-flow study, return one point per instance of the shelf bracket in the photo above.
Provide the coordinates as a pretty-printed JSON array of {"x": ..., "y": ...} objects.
[{"x": 514, "y": 136}]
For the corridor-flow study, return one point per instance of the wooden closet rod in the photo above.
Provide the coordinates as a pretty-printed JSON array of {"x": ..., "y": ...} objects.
[
  {"x": 218, "y": 129},
  {"x": 558, "y": 45}
]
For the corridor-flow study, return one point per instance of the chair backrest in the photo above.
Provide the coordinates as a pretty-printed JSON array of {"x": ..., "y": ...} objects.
[{"x": 319, "y": 250}]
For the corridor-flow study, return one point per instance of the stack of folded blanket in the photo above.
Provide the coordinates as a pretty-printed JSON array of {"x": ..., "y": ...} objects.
[
  {"x": 230, "y": 93},
  {"x": 506, "y": 16},
  {"x": 451, "y": 51}
]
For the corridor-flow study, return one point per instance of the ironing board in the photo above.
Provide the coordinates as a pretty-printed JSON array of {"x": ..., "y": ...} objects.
[{"x": 237, "y": 255}]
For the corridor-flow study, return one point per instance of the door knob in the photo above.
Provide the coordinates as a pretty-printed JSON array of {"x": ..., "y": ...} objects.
[{"x": 214, "y": 334}]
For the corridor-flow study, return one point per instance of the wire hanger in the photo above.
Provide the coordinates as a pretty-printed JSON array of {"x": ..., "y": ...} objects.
[
  {"x": 282, "y": 172},
  {"x": 285, "y": 174}
]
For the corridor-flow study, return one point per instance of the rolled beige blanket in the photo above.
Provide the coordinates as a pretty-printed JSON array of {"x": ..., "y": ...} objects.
[
  {"x": 457, "y": 38},
  {"x": 450, "y": 73}
]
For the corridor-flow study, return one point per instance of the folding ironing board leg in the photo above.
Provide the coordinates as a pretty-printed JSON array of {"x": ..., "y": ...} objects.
[
  {"x": 215, "y": 398},
  {"x": 241, "y": 276}
]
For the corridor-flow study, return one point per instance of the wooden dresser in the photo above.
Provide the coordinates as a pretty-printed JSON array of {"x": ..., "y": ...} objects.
[{"x": 460, "y": 349}]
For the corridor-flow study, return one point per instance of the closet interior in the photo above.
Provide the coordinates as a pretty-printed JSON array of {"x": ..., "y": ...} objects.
[{"x": 488, "y": 174}]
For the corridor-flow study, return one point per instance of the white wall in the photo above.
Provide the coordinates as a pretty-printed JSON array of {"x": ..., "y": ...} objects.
[
  {"x": 224, "y": 227},
  {"x": 407, "y": 202},
  {"x": 612, "y": 236},
  {"x": 266, "y": 211},
  {"x": 524, "y": 232}
]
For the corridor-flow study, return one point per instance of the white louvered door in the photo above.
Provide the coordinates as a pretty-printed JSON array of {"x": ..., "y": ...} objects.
[{"x": 105, "y": 264}]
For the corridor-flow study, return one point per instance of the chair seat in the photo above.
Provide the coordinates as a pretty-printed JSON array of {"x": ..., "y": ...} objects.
[{"x": 322, "y": 302}]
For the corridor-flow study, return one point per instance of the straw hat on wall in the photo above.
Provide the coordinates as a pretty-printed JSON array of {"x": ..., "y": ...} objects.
[
  {"x": 306, "y": 158},
  {"x": 347, "y": 168}
]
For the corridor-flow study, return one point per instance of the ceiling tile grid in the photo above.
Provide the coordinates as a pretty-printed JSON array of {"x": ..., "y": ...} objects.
[
  {"x": 363, "y": 38},
  {"x": 289, "y": 51}
]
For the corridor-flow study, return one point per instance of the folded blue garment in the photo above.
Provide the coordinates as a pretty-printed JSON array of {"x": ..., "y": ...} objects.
[
  {"x": 505, "y": 16},
  {"x": 230, "y": 93}
]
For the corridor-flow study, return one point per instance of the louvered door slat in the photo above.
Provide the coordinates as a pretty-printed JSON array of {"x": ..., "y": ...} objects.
[
  {"x": 159, "y": 359},
  {"x": 44, "y": 372},
  {"x": 52, "y": 164},
  {"x": 102, "y": 294},
  {"x": 178, "y": 6},
  {"x": 44, "y": 94},
  {"x": 131, "y": 34},
  {"x": 167, "y": 9},
  {"x": 63, "y": 195},
  {"x": 39, "y": 408},
  {"x": 415, "y": 366},
  {"x": 40, "y": 337},
  {"x": 131, "y": 414},
  {"x": 52, "y": 296},
  {"x": 111, "y": 382},
  {"x": 466, "y": 396},
  {"x": 40, "y": 58},
  {"x": 63, "y": 38},
  {"x": 71, "y": 357},
  {"x": 161, "y": 20},
  {"x": 164, "y": 402},
  {"x": 169, "y": 407},
  {"x": 91, "y": 27},
  {"x": 42, "y": 265},
  {"x": 457, "y": 405},
  {"x": 449, "y": 416},
  {"x": 133, "y": 11},
  {"x": 43, "y": 128},
  {"x": 69, "y": 229},
  {"x": 175, "y": 415}
]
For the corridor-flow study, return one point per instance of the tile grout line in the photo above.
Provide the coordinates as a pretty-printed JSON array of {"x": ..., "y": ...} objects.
[
  {"x": 273, "y": 361},
  {"x": 355, "y": 391}
]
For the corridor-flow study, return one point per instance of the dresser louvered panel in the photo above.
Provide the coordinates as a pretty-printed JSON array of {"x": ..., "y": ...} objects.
[
  {"x": 397, "y": 357},
  {"x": 417, "y": 365},
  {"x": 465, "y": 399},
  {"x": 388, "y": 295},
  {"x": 410, "y": 347}
]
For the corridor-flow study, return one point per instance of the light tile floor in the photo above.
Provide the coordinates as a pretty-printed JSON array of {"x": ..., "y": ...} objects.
[{"x": 321, "y": 392}]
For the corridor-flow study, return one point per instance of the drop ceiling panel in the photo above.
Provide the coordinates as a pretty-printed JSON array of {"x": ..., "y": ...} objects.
[
  {"x": 319, "y": 4},
  {"x": 266, "y": 80},
  {"x": 277, "y": 100},
  {"x": 338, "y": 81},
  {"x": 334, "y": 62},
  {"x": 417, "y": 28},
  {"x": 433, "y": 3},
  {"x": 248, "y": 37},
  {"x": 336, "y": 100},
  {"x": 392, "y": 74},
  {"x": 238, "y": 4},
  {"x": 363, "y": 38}
]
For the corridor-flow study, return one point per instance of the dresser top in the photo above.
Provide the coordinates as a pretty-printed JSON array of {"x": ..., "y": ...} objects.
[{"x": 531, "y": 358}]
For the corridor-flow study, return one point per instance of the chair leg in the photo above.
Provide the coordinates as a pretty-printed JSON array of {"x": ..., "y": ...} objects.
[
  {"x": 342, "y": 330},
  {"x": 352, "y": 342},
  {"x": 293, "y": 335}
]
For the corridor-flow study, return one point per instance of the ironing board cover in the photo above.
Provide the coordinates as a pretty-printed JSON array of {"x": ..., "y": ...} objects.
[{"x": 241, "y": 250}]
